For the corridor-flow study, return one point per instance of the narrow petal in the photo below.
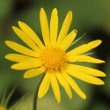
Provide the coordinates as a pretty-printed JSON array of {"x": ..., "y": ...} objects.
[
  {"x": 33, "y": 63},
  {"x": 65, "y": 27},
  {"x": 18, "y": 57},
  {"x": 24, "y": 37},
  {"x": 55, "y": 87},
  {"x": 30, "y": 33},
  {"x": 21, "y": 49},
  {"x": 44, "y": 86},
  {"x": 64, "y": 84},
  {"x": 33, "y": 72},
  {"x": 83, "y": 58},
  {"x": 85, "y": 48},
  {"x": 68, "y": 40},
  {"x": 54, "y": 26},
  {"x": 87, "y": 70},
  {"x": 44, "y": 27},
  {"x": 83, "y": 76},
  {"x": 74, "y": 85}
]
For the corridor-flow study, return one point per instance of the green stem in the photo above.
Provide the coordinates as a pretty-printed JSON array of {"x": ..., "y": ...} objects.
[{"x": 36, "y": 95}]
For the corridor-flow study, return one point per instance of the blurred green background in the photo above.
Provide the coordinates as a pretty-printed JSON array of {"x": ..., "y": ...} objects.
[{"x": 90, "y": 16}]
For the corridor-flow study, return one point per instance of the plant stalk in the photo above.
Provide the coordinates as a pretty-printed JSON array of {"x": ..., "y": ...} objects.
[{"x": 35, "y": 106}]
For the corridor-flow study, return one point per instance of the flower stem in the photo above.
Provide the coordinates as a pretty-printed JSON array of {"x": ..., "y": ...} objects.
[{"x": 36, "y": 95}]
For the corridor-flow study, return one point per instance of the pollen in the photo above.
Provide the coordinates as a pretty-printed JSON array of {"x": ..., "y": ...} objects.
[{"x": 53, "y": 58}]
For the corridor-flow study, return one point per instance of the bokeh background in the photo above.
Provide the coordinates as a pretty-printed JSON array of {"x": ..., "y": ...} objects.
[{"x": 90, "y": 16}]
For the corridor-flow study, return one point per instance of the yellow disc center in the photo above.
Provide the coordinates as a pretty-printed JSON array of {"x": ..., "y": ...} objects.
[{"x": 53, "y": 58}]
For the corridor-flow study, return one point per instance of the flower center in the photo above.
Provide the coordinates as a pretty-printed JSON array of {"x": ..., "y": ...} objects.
[{"x": 53, "y": 58}]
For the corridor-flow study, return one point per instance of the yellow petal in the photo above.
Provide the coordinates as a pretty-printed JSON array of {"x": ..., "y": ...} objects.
[
  {"x": 44, "y": 86},
  {"x": 87, "y": 70},
  {"x": 33, "y": 63},
  {"x": 44, "y": 27},
  {"x": 74, "y": 85},
  {"x": 68, "y": 40},
  {"x": 55, "y": 87},
  {"x": 83, "y": 76},
  {"x": 21, "y": 49},
  {"x": 18, "y": 57},
  {"x": 33, "y": 72},
  {"x": 54, "y": 26},
  {"x": 31, "y": 34},
  {"x": 64, "y": 84},
  {"x": 65, "y": 27},
  {"x": 85, "y": 48},
  {"x": 83, "y": 58},
  {"x": 25, "y": 39}
]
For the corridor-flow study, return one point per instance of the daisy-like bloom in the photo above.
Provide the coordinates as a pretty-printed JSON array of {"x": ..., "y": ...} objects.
[{"x": 52, "y": 57}]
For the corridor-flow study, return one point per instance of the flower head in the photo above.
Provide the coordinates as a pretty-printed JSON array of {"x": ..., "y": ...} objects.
[{"x": 52, "y": 57}]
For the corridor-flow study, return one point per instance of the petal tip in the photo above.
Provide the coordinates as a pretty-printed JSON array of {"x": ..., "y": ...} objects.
[
  {"x": 70, "y": 13},
  {"x": 25, "y": 76},
  {"x": 104, "y": 75},
  {"x": 6, "y": 42},
  {"x": 42, "y": 10},
  {"x": 12, "y": 67},
  {"x": 102, "y": 83},
  {"x": 99, "y": 41},
  {"x": 101, "y": 61},
  {"x": 104, "y": 62},
  {"x": 84, "y": 97},
  {"x": 39, "y": 95},
  {"x": 59, "y": 100},
  {"x": 55, "y": 10},
  {"x": 13, "y": 27},
  {"x": 70, "y": 97},
  {"x": 76, "y": 31},
  {"x": 20, "y": 23},
  {"x": 6, "y": 56}
]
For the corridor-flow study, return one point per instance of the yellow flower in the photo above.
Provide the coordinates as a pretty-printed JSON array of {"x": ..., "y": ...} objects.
[
  {"x": 2, "y": 108},
  {"x": 52, "y": 58}
]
